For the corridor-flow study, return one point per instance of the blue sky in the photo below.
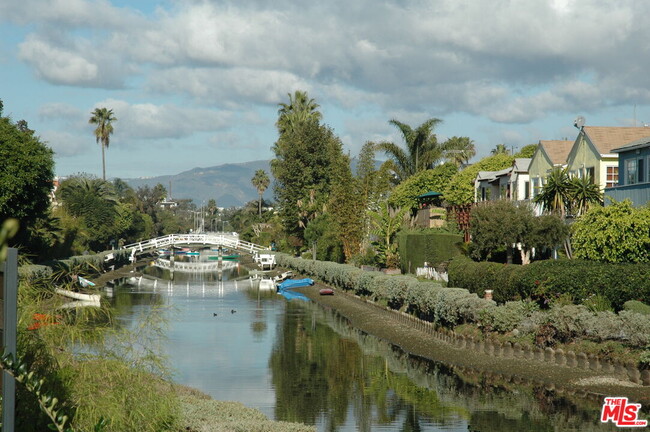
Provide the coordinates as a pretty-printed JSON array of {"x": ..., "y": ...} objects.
[{"x": 196, "y": 83}]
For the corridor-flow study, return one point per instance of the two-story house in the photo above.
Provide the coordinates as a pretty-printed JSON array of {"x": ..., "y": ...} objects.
[
  {"x": 591, "y": 154},
  {"x": 509, "y": 183},
  {"x": 633, "y": 173},
  {"x": 549, "y": 154}
]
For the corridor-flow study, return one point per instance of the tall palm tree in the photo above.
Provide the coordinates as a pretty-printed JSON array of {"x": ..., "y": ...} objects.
[
  {"x": 459, "y": 150},
  {"x": 422, "y": 149},
  {"x": 103, "y": 118},
  {"x": 299, "y": 109},
  {"x": 261, "y": 181},
  {"x": 500, "y": 149}
]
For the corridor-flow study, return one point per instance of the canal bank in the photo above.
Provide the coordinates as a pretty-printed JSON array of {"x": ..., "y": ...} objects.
[{"x": 419, "y": 341}]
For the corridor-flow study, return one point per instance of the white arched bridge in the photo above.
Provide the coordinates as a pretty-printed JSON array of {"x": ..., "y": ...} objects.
[{"x": 227, "y": 240}]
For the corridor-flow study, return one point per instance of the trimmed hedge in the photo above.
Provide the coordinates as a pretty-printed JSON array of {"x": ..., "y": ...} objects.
[
  {"x": 579, "y": 279},
  {"x": 417, "y": 247},
  {"x": 450, "y": 307},
  {"x": 427, "y": 300}
]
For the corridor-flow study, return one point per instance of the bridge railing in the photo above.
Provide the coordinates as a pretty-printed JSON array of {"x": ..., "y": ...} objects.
[{"x": 213, "y": 239}]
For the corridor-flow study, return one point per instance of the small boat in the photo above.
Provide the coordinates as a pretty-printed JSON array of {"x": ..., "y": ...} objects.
[
  {"x": 291, "y": 295},
  {"x": 326, "y": 291}
]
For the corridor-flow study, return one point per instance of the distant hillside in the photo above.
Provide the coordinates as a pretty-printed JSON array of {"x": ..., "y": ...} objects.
[{"x": 229, "y": 184}]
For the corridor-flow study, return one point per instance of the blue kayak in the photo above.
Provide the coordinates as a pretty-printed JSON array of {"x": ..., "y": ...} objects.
[{"x": 295, "y": 283}]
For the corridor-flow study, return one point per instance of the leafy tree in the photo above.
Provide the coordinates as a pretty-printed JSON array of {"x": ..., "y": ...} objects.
[
  {"x": 347, "y": 207},
  {"x": 261, "y": 181},
  {"x": 616, "y": 233},
  {"x": 422, "y": 148},
  {"x": 405, "y": 194},
  {"x": 460, "y": 189},
  {"x": 527, "y": 151},
  {"x": 300, "y": 109},
  {"x": 26, "y": 176},
  {"x": 459, "y": 150},
  {"x": 498, "y": 225},
  {"x": 321, "y": 234},
  {"x": 307, "y": 160},
  {"x": 103, "y": 118}
]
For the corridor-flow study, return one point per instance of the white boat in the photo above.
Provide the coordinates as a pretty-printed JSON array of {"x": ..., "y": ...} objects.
[
  {"x": 79, "y": 296},
  {"x": 267, "y": 284}
]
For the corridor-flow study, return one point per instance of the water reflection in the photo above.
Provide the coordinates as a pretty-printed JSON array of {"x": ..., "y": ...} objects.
[{"x": 299, "y": 362}]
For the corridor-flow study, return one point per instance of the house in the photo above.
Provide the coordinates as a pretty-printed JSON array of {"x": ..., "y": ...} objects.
[
  {"x": 591, "y": 154},
  {"x": 549, "y": 154},
  {"x": 509, "y": 183},
  {"x": 492, "y": 185},
  {"x": 633, "y": 173}
]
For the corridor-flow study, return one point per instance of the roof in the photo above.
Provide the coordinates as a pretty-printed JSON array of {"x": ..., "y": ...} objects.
[
  {"x": 605, "y": 139},
  {"x": 557, "y": 150},
  {"x": 521, "y": 164},
  {"x": 636, "y": 144},
  {"x": 492, "y": 175}
]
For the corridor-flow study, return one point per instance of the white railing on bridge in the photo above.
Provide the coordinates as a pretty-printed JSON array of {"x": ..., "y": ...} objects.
[
  {"x": 194, "y": 267},
  {"x": 206, "y": 239}
]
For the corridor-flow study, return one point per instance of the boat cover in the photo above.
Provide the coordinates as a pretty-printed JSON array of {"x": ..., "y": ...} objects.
[
  {"x": 295, "y": 283},
  {"x": 292, "y": 295}
]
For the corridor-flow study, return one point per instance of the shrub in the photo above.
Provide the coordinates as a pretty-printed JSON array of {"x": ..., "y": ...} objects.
[
  {"x": 507, "y": 317},
  {"x": 636, "y": 306}
]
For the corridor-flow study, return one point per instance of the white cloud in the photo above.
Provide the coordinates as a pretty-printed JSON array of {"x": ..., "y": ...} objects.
[
  {"x": 66, "y": 144},
  {"x": 150, "y": 121}
]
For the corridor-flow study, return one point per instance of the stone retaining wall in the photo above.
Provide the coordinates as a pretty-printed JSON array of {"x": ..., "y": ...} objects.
[{"x": 624, "y": 371}]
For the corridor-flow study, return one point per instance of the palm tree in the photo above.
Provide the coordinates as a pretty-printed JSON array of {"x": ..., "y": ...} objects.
[
  {"x": 459, "y": 150},
  {"x": 554, "y": 195},
  {"x": 500, "y": 149},
  {"x": 261, "y": 181},
  {"x": 422, "y": 149},
  {"x": 385, "y": 224},
  {"x": 584, "y": 193},
  {"x": 299, "y": 109},
  {"x": 103, "y": 118}
]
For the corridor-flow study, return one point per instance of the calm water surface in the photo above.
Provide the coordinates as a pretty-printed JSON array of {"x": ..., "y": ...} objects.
[{"x": 296, "y": 361}]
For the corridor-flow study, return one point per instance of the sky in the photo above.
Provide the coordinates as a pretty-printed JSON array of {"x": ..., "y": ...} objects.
[{"x": 197, "y": 83}]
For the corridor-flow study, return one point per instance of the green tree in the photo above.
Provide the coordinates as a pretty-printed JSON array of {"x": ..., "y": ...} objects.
[
  {"x": 300, "y": 109},
  {"x": 500, "y": 149},
  {"x": 460, "y": 189},
  {"x": 583, "y": 194},
  {"x": 347, "y": 206},
  {"x": 405, "y": 194},
  {"x": 385, "y": 224},
  {"x": 504, "y": 225},
  {"x": 422, "y": 148},
  {"x": 103, "y": 118},
  {"x": 459, "y": 150},
  {"x": 616, "y": 233},
  {"x": 555, "y": 194},
  {"x": 260, "y": 181},
  {"x": 26, "y": 178},
  {"x": 527, "y": 151},
  {"x": 307, "y": 160}
]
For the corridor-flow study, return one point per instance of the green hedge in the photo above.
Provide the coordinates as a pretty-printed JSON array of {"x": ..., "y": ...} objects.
[
  {"x": 578, "y": 279},
  {"x": 417, "y": 247},
  {"x": 427, "y": 300},
  {"x": 450, "y": 307}
]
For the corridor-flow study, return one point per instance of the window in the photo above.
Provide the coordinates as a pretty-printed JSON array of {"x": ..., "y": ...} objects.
[
  {"x": 630, "y": 171},
  {"x": 591, "y": 174},
  {"x": 640, "y": 170},
  {"x": 612, "y": 176}
]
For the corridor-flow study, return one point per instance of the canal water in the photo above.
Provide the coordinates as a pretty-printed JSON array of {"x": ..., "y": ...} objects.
[{"x": 296, "y": 361}]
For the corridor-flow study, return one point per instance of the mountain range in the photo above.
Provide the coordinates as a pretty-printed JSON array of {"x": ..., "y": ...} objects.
[{"x": 229, "y": 184}]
